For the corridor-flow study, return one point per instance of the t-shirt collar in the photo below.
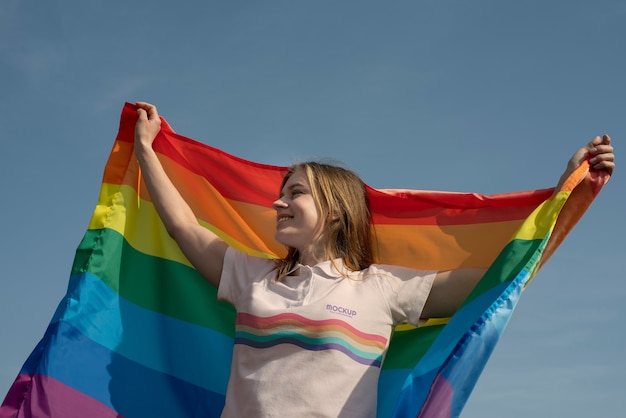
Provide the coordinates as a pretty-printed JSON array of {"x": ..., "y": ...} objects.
[{"x": 331, "y": 268}]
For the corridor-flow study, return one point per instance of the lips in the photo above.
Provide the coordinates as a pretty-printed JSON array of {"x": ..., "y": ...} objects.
[{"x": 283, "y": 218}]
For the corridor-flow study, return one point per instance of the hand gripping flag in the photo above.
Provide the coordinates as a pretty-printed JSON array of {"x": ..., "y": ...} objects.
[{"x": 141, "y": 334}]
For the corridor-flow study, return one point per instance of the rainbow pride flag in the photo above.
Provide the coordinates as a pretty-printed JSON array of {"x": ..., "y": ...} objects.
[{"x": 141, "y": 334}]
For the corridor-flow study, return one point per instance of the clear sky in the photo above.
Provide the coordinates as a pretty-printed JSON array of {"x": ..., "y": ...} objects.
[{"x": 483, "y": 96}]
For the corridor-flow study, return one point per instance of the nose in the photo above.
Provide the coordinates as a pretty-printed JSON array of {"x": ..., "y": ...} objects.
[{"x": 279, "y": 204}]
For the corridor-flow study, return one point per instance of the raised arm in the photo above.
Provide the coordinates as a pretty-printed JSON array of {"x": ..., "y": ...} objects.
[
  {"x": 204, "y": 249},
  {"x": 451, "y": 287}
]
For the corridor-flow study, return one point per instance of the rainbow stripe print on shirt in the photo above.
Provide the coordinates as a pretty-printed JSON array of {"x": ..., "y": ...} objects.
[
  {"x": 309, "y": 334},
  {"x": 140, "y": 333}
]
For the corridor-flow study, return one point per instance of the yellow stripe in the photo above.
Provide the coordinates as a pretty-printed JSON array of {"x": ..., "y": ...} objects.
[
  {"x": 418, "y": 246},
  {"x": 541, "y": 221},
  {"x": 119, "y": 208},
  {"x": 428, "y": 323}
]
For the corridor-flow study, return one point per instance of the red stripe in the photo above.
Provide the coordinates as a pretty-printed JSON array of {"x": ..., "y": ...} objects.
[
  {"x": 442, "y": 208},
  {"x": 225, "y": 171},
  {"x": 276, "y": 320}
]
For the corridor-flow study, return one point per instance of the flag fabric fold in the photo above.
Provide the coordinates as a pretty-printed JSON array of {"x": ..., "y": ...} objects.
[{"x": 140, "y": 333}]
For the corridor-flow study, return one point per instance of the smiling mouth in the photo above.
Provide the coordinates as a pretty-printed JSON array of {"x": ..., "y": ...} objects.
[{"x": 283, "y": 219}]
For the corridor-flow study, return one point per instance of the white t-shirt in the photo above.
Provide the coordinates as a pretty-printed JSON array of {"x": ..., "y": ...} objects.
[{"x": 312, "y": 345}]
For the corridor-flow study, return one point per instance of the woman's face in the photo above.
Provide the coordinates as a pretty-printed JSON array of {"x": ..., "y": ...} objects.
[{"x": 298, "y": 222}]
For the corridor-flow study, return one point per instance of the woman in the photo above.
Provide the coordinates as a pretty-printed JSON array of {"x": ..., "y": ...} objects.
[{"x": 312, "y": 329}]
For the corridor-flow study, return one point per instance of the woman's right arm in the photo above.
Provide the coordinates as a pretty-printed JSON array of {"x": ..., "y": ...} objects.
[{"x": 204, "y": 249}]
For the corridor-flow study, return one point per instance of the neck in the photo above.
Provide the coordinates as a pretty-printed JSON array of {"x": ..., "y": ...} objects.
[
  {"x": 309, "y": 259},
  {"x": 313, "y": 255}
]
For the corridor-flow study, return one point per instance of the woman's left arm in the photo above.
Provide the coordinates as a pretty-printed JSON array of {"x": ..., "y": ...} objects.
[{"x": 451, "y": 287}]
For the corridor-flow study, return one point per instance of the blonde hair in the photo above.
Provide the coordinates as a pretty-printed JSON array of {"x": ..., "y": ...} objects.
[{"x": 341, "y": 199}]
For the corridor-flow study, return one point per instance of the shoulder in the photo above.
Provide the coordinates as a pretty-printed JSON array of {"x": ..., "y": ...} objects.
[
  {"x": 396, "y": 273},
  {"x": 401, "y": 285},
  {"x": 240, "y": 270},
  {"x": 234, "y": 255},
  {"x": 405, "y": 290},
  {"x": 238, "y": 263}
]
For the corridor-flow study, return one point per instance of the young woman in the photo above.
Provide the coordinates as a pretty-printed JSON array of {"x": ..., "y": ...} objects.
[{"x": 312, "y": 329}]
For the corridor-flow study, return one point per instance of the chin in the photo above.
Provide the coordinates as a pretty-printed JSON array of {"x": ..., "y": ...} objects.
[
  {"x": 283, "y": 240},
  {"x": 280, "y": 238}
]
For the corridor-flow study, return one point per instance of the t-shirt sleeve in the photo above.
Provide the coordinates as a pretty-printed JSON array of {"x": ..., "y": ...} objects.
[
  {"x": 406, "y": 291},
  {"x": 239, "y": 271}
]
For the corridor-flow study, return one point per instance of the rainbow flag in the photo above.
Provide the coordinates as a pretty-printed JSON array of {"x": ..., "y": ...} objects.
[{"x": 141, "y": 334}]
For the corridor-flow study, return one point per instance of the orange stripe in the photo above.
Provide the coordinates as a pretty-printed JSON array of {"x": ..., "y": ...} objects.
[
  {"x": 253, "y": 225},
  {"x": 417, "y": 207},
  {"x": 443, "y": 248}
]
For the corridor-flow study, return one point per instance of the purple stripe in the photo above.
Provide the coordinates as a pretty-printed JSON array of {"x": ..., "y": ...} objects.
[
  {"x": 41, "y": 396},
  {"x": 438, "y": 404},
  {"x": 15, "y": 396},
  {"x": 135, "y": 391},
  {"x": 310, "y": 347}
]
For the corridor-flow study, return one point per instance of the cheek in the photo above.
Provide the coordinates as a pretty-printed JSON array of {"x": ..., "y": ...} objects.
[
  {"x": 315, "y": 221},
  {"x": 312, "y": 212}
]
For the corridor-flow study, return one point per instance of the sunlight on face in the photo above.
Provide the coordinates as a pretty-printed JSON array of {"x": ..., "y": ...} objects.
[{"x": 298, "y": 222}]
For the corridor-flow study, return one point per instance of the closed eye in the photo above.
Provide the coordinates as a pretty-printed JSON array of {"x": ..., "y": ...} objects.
[{"x": 294, "y": 190}]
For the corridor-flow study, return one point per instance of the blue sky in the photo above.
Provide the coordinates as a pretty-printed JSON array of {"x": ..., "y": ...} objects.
[{"x": 483, "y": 96}]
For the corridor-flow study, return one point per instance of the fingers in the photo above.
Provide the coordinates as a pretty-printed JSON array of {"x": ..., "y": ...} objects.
[
  {"x": 595, "y": 141},
  {"x": 148, "y": 124},
  {"x": 601, "y": 146},
  {"x": 607, "y": 166},
  {"x": 147, "y": 110},
  {"x": 605, "y": 140},
  {"x": 601, "y": 156},
  {"x": 604, "y": 161},
  {"x": 142, "y": 114}
]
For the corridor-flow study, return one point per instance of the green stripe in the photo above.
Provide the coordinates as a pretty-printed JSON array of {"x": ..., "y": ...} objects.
[
  {"x": 154, "y": 283},
  {"x": 179, "y": 291},
  {"x": 511, "y": 260},
  {"x": 407, "y": 348}
]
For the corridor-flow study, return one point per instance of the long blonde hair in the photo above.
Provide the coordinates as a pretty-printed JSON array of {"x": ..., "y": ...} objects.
[{"x": 341, "y": 199}]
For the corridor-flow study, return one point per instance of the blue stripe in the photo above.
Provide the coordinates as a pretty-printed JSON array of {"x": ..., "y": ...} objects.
[
  {"x": 129, "y": 388},
  {"x": 494, "y": 309},
  {"x": 157, "y": 341},
  {"x": 390, "y": 384}
]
